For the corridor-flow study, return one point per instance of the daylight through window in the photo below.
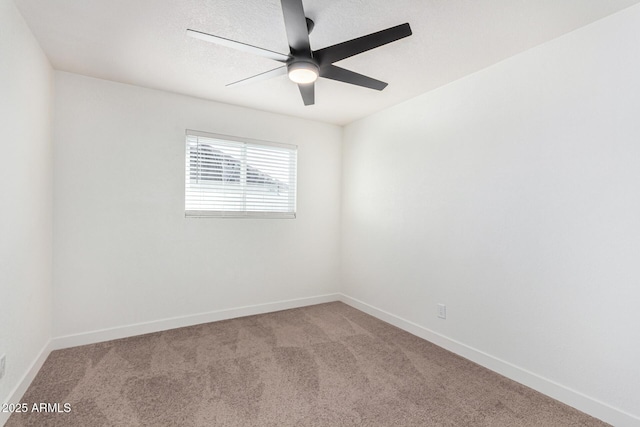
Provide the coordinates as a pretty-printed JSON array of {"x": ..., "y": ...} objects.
[{"x": 237, "y": 177}]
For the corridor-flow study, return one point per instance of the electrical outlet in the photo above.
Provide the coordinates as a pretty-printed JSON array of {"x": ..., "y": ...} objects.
[
  {"x": 3, "y": 359},
  {"x": 442, "y": 311}
]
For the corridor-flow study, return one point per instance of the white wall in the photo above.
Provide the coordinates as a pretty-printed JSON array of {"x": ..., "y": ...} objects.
[
  {"x": 25, "y": 198},
  {"x": 124, "y": 253},
  {"x": 512, "y": 196}
]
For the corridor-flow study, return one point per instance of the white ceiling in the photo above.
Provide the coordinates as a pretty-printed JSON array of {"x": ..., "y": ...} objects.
[{"x": 143, "y": 42}]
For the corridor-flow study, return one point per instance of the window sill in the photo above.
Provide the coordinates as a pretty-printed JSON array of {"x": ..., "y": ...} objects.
[{"x": 246, "y": 215}]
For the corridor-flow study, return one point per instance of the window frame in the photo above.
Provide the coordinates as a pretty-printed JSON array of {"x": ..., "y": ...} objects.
[{"x": 244, "y": 143}]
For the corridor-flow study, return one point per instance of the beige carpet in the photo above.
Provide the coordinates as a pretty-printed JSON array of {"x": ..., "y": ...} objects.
[{"x": 325, "y": 365}]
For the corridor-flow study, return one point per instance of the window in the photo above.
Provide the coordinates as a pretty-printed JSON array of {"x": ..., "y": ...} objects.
[{"x": 236, "y": 177}]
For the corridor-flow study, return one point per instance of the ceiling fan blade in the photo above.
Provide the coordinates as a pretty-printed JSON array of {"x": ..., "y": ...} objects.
[
  {"x": 280, "y": 71},
  {"x": 308, "y": 93},
  {"x": 296, "y": 25},
  {"x": 281, "y": 57},
  {"x": 331, "y": 54},
  {"x": 342, "y": 75}
]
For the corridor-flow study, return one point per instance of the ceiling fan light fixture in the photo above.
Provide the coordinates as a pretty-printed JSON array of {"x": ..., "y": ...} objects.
[{"x": 303, "y": 72}]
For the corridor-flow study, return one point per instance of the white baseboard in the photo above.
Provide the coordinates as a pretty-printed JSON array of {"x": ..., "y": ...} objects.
[
  {"x": 182, "y": 321},
  {"x": 16, "y": 394},
  {"x": 545, "y": 386}
]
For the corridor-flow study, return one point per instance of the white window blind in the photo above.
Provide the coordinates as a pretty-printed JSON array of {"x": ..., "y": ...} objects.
[{"x": 236, "y": 177}]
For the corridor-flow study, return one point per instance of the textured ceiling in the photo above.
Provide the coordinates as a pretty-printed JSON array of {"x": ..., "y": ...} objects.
[{"x": 143, "y": 42}]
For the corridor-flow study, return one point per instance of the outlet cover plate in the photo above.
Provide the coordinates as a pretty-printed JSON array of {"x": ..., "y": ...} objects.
[
  {"x": 3, "y": 360},
  {"x": 442, "y": 311}
]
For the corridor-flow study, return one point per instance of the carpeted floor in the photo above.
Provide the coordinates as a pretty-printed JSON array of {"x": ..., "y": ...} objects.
[{"x": 324, "y": 365}]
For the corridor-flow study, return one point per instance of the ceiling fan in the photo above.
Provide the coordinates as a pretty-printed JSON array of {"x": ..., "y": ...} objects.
[{"x": 304, "y": 65}]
